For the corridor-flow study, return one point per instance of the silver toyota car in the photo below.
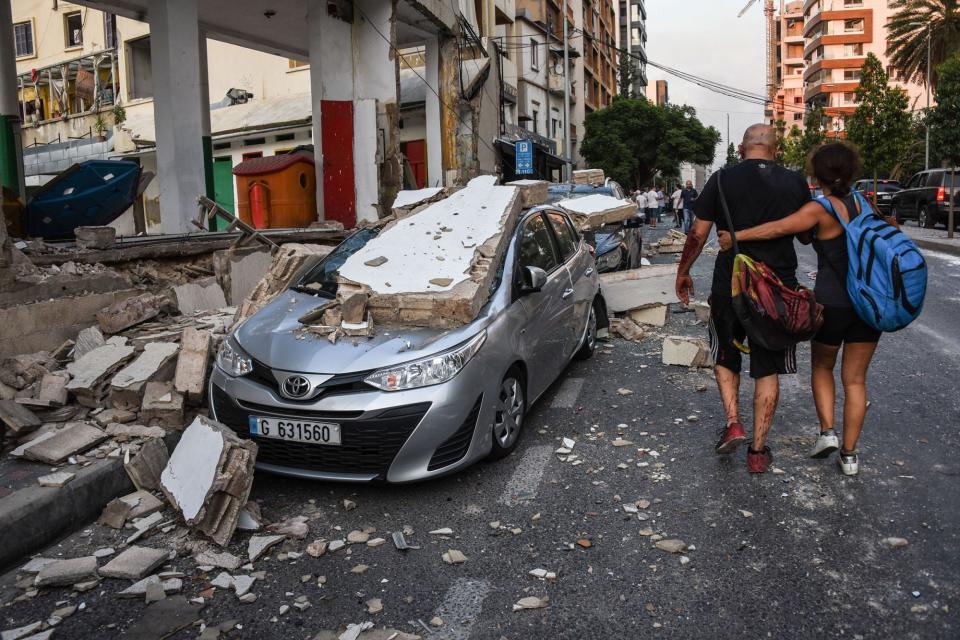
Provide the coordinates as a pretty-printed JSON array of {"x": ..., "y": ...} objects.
[{"x": 410, "y": 403}]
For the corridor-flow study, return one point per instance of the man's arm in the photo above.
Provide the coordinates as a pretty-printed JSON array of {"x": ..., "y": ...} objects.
[{"x": 699, "y": 232}]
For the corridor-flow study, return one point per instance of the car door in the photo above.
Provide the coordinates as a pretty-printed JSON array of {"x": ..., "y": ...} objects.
[
  {"x": 548, "y": 312},
  {"x": 907, "y": 199},
  {"x": 581, "y": 268}
]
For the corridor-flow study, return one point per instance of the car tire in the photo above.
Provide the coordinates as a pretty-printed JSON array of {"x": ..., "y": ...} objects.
[
  {"x": 510, "y": 409},
  {"x": 924, "y": 219},
  {"x": 589, "y": 344},
  {"x": 895, "y": 214}
]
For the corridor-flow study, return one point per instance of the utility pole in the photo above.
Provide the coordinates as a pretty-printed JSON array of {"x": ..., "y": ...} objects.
[
  {"x": 929, "y": 43},
  {"x": 728, "y": 130},
  {"x": 568, "y": 151}
]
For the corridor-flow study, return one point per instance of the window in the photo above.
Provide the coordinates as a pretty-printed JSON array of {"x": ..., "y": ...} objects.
[
  {"x": 110, "y": 30},
  {"x": 849, "y": 97},
  {"x": 252, "y": 154},
  {"x": 853, "y": 50},
  {"x": 853, "y": 26},
  {"x": 536, "y": 246},
  {"x": 566, "y": 239},
  {"x": 139, "y": 68},
  {"x": 797, "y": 100},
  {"x": 534, "y": 55},
  {"x": 851, "y": 75},
  {"x": 934, "y": 179},
  {"x": 73, "y": 29},
  {"x": 798, "y": 117},
  {"x": 635, "y": 36},
  {"x": 23, "y": 39},
  {"x": 914, "y": 181}
]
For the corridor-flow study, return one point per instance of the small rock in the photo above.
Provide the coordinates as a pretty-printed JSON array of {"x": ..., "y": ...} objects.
[
  {"x": 672, "y": 545},
  {"x": 895, "y": 543},
  {"x": 452, "y": 556},
  {"x": 446, "y": 531},
  {"x": 336, "y": 545},
  {"x": 531, "y": 602},
  {"x": 684, "y": 560},
  {"x": 746, "y": 514},
  {"x": 349, "y": 505},
  {"x": 357, "y": 537},
  {"x": 259, "y": 545},
  {"x": 248, "y": 598},
  {"x": 154, "y": 592},
  {"x": 360, "y": 569},
  {"x": 284, "y": 608},
  {"x": 376, "y": 262},
  {"x": 103, "y": 553},
  {"x": 376, "y": 542},
  {"x": 620, "y": 442},
  {"x": 317, "y": 548},
  {"x": 436, "y": 621},
  {"x": 624, "y": 392},
  {"x": 374, "y": 605}
]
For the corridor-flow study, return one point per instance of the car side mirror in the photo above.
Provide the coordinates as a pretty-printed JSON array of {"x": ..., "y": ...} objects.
[{"x": 534, "y": 279}]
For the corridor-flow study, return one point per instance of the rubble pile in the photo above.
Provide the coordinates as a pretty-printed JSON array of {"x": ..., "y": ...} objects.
[
  {"x": 597, "y": 210},
  {"x": 671, "y": 243},
  {"x": 593, "y": 177}
]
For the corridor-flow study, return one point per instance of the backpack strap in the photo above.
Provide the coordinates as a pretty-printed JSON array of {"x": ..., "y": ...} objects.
[
  {"x": 825, "y": 202},
  {"x": 726, "y": 212}
]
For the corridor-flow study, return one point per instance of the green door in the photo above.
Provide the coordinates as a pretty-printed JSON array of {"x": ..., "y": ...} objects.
[{"x": 223, "y": 187}]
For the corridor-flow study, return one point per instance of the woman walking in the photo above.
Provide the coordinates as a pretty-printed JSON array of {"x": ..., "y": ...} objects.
[{"x": 834, "y": 165}]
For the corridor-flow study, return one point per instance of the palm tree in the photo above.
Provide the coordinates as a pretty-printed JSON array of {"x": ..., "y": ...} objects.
[{"x": 907, "y": 36}]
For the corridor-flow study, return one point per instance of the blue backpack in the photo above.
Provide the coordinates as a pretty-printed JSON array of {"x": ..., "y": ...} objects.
[{"x": 887, "y": 277}]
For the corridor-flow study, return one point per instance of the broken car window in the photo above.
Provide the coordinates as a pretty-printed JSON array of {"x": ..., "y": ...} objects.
[
  {"x": 322, "y": 278},
  {"x": 536, "y": 245},
  {"x": 565, "y": 237}
]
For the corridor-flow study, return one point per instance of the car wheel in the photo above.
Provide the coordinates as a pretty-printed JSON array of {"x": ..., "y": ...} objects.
[
  {"x": 589, "y": 343},
  {"x": 509, "y": 410},
  {"x": 895, "y": 214},
  {"x": 924, "y": 219}
]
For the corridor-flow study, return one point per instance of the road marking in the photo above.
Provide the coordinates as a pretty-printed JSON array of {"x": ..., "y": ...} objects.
[
  {"x": 460, "y": 608},
  {"x": 948, "y": 344},
  {"x": 525, "y": 481},
  {"x": 950, "y": 259},
  {"x": 567, "y": 394}
]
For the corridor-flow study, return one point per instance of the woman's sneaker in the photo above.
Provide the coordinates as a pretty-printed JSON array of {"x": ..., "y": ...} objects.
[
  {"x": 849, "y": 464},
  {"x": 827, "y": 443}
]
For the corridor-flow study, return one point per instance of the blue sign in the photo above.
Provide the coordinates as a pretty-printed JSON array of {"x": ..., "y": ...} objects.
[{"x": 524, "y": 157}]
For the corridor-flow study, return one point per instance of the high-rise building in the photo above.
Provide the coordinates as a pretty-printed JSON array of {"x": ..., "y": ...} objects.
[
  {"x": 821, "y": 47},
  {"x": 633, "y": 39},
  {"x": 659, "y": 93}
]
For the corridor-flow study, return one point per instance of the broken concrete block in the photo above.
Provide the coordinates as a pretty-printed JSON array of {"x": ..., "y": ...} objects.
[
  {"x": 115, "y": 514},
  {"x": 192, "y": 364},
  {"x": 64, "y": 572},
  {"x": 637, "y": 288},
  {"x": 110, "y": 416},
  {"x": 162, "y": 405},
  {"x": 95, "y": 237},
  {"x": 125, "y": 432},
  {"x": 259, "y": 545},
  {"x": 532, "y": 192},
  {"x": 53, "y": 389},
  {"x": 598, "y": 210},
  {"x": 201, "y": 295},
  {"x": 353, "y": 308},
  {"x": 409, "y": 199},
  {"x": 627, "y": 329},
  {"x": 655, "y": 315},
  {"x": 673, "y": 242},
  {"x": 239, "y": 270},
  {"x": 145, "y": 467},
  {"x": 686, "y": 352},
  {"x": 594, "y": 177},
  {"x": 702, "y": 311},
  {"x": 134, "y": 563},
  {"x": 222, "y": 560},
  {"x": 208, "y": 478},
  {"x": 129, "y": 312},
  {"x": 75, "y": 438},
  {"x": 90, "y": 373},
  {"x": 87, "y": 340},
  {"x": 23, "y": 370},
  {"x": 142, "y": 503},
  {"x": 287, "y": 263},
  {"x": 155, "y": 363},
  {"x": 58, "y": 479},
  {"x": 19, "y": 419},
  {"x": 139, "y": 589}
]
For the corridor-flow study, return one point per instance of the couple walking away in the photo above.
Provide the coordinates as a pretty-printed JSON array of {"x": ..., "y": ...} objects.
[{"x": 769, "y": 206}]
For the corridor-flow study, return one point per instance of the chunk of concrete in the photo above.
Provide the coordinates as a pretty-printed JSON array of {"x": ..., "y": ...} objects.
[
  {"x": 686, "y": 352},
  {"x": 201, "y": 295},
  {"x": 53, "y": 389},
  {"x": 637, "y": 288},
  {"x": 111, "y": 416},
  {"x": 239, "y": 270},
  {"x": 87, "y": 340},
  {"x": 222, "y": 560},
  {"x": 259, "y": 545},
  {"x": 134, "y": 563},
  {"x": 627, "y": 329},
  {"x": 91, "y": 372},
  {"x": 655, "y": 315},
  {"x": 139, "y": 589},
  {"x": 598, "y": 210},
  {"x": 146, "y": 466},
  {"x": 701, "y": 310},
  {"x": 95, "y": 237},
  {"x": 142, "y": 503},
  {"x": 162, "y": 405},
  {"x": 129, "y": 312},
  {"x": 155, "y": 363},
  {"x": 64, "y": 572},
  {"x": 57, "y": 479},
  {"x": 532, "y": 192},
  {"x": 73, "y": 439},
  {"x": 123, "y": 432},
  {"x": 192, "y": 364},
  {"x": 19, "y": 419}
]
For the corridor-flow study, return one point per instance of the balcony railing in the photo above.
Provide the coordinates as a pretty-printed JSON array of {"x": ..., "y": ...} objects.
[{"x": 75, "y": 87}]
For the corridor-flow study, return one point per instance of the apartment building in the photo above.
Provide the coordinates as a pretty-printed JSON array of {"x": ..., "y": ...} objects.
[
  {"x": 821, "y": 47},
  {"x": 633, "y": 39}
]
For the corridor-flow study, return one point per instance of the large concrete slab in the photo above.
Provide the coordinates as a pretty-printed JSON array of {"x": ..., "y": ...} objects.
[
  {"x": 73, "y": 439},
  {"x": 637, "y": 288}
]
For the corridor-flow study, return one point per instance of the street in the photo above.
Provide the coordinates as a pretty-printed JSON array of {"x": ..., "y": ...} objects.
[{"x": 797, "y": 553}]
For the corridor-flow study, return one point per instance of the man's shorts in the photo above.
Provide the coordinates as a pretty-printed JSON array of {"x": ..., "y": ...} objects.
[
  {"x": 725, "y": 329},
  {"x": 842, "y": 325}
]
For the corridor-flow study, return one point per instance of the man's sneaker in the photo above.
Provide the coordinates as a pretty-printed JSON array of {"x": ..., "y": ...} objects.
[
  {"x": 731, "y": 437},
  {"x": 849, "y": 464},
  {"x": 759, "y": 461},
  {"x": 827, "y": 443}
]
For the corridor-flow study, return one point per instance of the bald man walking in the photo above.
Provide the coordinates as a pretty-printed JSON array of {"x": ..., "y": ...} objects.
[{"x": 757, "y": 190}]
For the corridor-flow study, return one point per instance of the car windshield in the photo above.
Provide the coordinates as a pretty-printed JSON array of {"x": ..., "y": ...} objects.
[{"x": 322, "y": 279}]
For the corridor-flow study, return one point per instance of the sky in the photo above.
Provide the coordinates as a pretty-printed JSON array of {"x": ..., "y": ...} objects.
[{"x": 705, "y": 38}]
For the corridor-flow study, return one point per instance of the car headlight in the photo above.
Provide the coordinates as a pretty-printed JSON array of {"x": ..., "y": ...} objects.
[
  {"x": 428, "y": 371},
  {"x": 232, "y": 359},
  {"x": 610, "y": 260}
]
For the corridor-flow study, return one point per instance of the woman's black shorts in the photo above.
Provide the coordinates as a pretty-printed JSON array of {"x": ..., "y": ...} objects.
[{"x": 842, "y": 325}]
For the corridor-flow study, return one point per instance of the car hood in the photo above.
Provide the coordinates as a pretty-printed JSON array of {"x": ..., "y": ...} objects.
[
  {"x": 275, "y": 337},
  {"x": 607, "y": 241}
]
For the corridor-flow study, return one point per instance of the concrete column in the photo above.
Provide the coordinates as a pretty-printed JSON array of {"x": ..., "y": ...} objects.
[
  {"x": 175, "y": 54},
  {"x": 205, "y": 118},
  {"x": 11, "y": 154},
  {"x": 433, "y": 108}
]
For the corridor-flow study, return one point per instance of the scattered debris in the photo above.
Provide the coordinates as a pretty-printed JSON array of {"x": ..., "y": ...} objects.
[
  {"x": 895, "y": 543},
  {"x": 671, "y": 545},
  {"x": 672, "y": 242},
  {"x": 134, "y": 563},
  {"x": 531, "y": 602},
  {"x": 597, "y": 210},
  {"x": 653, "y": 315},
  {"x": 452, "y": 556},
  {"x": 686, "y": 352},
  {"x": 130, "y": 311},
  {"x": 66, "y": 572},
  {"x": 259, "y": 545},
  {"x": 638, "y": 288}
]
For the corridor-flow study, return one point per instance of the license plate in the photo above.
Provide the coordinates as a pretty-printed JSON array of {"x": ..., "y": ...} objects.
[{"x": 295, "y": 430}]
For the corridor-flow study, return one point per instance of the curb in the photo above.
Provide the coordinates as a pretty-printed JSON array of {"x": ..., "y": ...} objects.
[{"x": 949, "y": 248}]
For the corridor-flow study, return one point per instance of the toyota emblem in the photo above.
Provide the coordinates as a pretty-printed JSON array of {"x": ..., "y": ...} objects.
[{"x": 296, "y": 387}]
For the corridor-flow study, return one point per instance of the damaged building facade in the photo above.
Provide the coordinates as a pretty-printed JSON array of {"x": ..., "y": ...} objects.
[{"x": 326, "y": 74}]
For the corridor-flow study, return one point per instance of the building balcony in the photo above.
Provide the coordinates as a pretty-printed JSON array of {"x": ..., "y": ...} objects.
[
  {"x": 556, "y": 85},
  {"x": 505, "y": 11}
]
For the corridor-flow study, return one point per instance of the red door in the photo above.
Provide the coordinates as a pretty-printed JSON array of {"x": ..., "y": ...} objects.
[
  {"x": 415, "y": 151},
  {"x": 339, "y": 188}
]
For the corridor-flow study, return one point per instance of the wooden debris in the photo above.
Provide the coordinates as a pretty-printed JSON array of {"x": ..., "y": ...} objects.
[{"x": 192, "y": 364}]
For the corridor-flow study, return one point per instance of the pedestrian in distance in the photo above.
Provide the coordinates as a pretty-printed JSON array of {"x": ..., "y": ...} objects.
[
  {"x": 835, "y": 167},
  {"x": 757, "y": 190},
  {"x": 688, "y": 196},
  {"x": 653, "y": 207},
  {"x": 661, "y": 202},
  {"x": 677, "y": 199}
]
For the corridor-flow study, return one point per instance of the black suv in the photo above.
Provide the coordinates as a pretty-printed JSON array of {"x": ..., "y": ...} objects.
[
  {"x": 925, "y": 198},
  {"x": 885, "y": 192}
]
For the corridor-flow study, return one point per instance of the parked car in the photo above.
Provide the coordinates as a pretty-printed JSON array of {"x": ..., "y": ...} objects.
[
  {"x": 885, "y": 192},
  {"x": 617, "y": 246},
  {"x": 410, "y": 403},
  {"x": 925, "y": 198}
]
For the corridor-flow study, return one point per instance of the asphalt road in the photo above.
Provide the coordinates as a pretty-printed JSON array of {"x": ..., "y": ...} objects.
[{"x": 796, "y": 554}]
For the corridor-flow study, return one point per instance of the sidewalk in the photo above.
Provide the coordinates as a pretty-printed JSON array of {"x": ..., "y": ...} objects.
[{"x": 933, "y": 239}]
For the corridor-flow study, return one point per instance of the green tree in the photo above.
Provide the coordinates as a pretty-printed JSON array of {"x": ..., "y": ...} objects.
[
  {"x": 944, "y": 132},
  {"x": 907, "y": 36},
  {"x": 633, "y": 140},
  {"x": 881, "y": 127},
  {"x": 794, "y": 150},
  {"x": 732, "y": 157},
  {"x": 626, "y": 74}
]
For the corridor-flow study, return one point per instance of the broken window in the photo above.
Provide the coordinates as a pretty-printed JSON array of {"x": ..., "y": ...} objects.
[
  {"x": 110, "y": 30},
  {"x": 139, "y": 69},
  {"x": 73, "y": 29},
  {"x": 536, "y": 246}
]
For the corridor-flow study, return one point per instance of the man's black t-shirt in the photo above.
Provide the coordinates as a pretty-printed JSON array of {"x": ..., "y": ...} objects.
[{"x": 757, "y": 191}]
